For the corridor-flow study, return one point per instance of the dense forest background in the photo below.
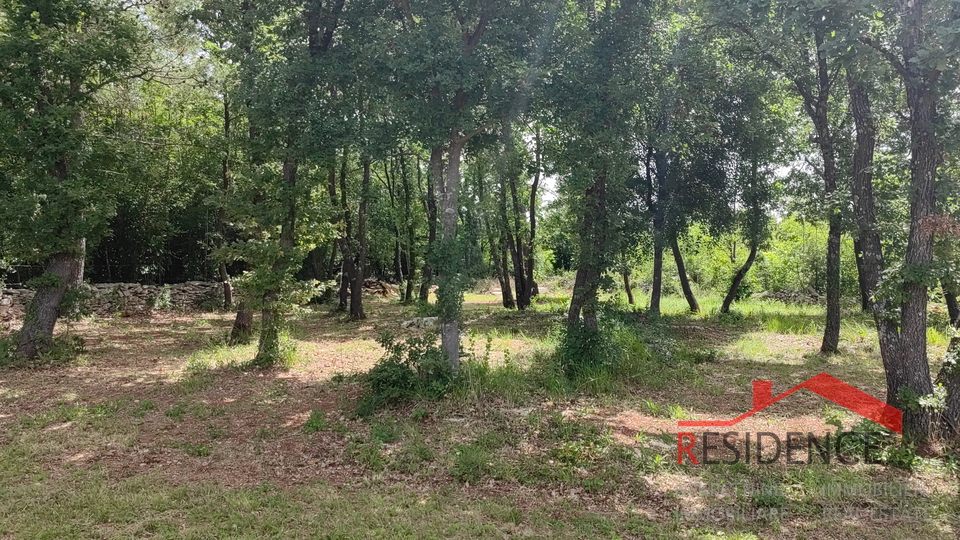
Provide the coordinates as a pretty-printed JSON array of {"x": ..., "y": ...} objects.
[{"x": 291, "y": 149}]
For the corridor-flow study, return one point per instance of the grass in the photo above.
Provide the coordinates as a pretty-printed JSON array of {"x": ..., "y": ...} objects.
[{"x": 516, "y": 449}]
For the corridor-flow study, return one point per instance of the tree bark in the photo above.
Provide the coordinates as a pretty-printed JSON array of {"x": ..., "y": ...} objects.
[
  {"x": 531, "y": 245},
  {"x": 448, "y": 295},
  {"x": 242, "y": 325},
  {"x": 346, "y": 240},
  {"x": 950, "y": 298},
  {"x": 512, "y": 243},
  {"x": 221, "y": 218},
  {"x": 411, "y": 231},
  {"x": 738, "y": 279},
  {"x": 356, "y": 289},
  {"x": 684, "y": 280},
  {"x": 659, "y": 229},
  {"x": 593, "y": 241},
  {"x": 268, "y": 349},
  {"x": 627, "y": 287},
  {"x": 64, "y": 271},
  {"x": 924, "y": 161},
  {"x": 436, "y": 179},
  {"x": 864, "y": 294}
]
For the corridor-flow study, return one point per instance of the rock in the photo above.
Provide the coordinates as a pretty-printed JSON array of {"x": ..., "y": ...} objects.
[{"x": 420, "y": 322}]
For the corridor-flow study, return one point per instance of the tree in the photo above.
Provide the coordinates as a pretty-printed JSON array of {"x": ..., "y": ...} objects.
[
  {"x": 790, "y": 37},
  {"x": 458, "y": 69},
  {"x": 60, "y": 61}
]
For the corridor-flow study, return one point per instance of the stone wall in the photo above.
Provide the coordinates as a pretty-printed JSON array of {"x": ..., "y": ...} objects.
[{"x": 127, "y": 298}]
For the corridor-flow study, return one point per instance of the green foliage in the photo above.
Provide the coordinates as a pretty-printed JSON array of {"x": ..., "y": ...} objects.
[
  {"x": 413, "y": 368},
  {"x": 316, "y": 422},
  {"x": 471, "y": 462},
  {"x": 582, "y": 351}
]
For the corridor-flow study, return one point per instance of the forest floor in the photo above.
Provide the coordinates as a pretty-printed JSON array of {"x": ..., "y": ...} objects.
[{"x": 154, "y": 433}]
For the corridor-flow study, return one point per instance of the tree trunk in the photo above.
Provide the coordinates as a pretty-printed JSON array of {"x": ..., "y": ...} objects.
[
  {"x": 64, "y": 271},
  {"x": 356, "y": 290},
  {"x": 242, "y": 325},
  {"x": 659, "y": 229},
  {"x": 738, "y": 279},
  {"x": 268, "y": 351},
  {"x": 504, "y": 271},
  {"x": 346, "y": 239},
  {"x": 864, "y": 294},
  {"x": 531, "y": 245},
  {"x": 225, "y": 188},
  {"x": 684, "y": 280},
  {"x": 436, "y": 179},
  {"x": 924, "y": 161},
  {"x": 592, "y": 246},
  {"x": 627, "y": 287},
  {"x": 519, "y": 271},
  {"x": 656, "y": 288},
  {"x": 411, "y": 231},
  {"x": 950, "y": 298},
  {"x": 512, "y": 243},
  {"x": 449, "y": 295}
]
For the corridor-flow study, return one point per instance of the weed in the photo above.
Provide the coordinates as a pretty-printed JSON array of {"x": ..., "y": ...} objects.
[
  {"x": 143, "y": 407},
  {"x": 194, "y": 449},
  {"x": 385, "y": 432},
  {"x": 176, "y": 412},
  {"x": 411, "y": 368},
  {"x": 316, "y": 422},
  {"x": 471, "y": 462}
]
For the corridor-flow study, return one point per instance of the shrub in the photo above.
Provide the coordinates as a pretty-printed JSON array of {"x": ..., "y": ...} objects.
[
  {"x": 583, "y": 351},
  {"x": 416, "y": 367}
]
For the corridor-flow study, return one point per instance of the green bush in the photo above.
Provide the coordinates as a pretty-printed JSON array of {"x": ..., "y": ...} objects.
[
  {"x": 416, "y": 367},
  {"x": 583, "y": 351}
]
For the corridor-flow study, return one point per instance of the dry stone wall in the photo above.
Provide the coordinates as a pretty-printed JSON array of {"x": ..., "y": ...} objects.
[{"x": 127, "y": 298}]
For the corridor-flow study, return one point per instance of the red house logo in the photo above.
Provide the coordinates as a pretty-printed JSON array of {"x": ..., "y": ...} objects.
[{"x": 824, "y": 385}]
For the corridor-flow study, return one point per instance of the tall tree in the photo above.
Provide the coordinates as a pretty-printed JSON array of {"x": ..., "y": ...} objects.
[
  {"x": 60, "y": 61},
  {"x": 790, "y": 37}
]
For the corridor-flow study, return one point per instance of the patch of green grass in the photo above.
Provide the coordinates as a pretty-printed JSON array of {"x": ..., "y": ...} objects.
[
  {"x": 316, "y": 422},
  {"x": 471, "y": 462},
  {"x": 193, "y": 449},
  {"x": 387, "y": 431},
  {"x": 177, "y": 412},
  {"x": 143, "y": 407}
]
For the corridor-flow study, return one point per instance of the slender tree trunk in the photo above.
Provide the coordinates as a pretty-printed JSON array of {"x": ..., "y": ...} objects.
[
  {"x": 656, "y": 288},
  {"x": 519, "y": 271},
  {"x": 356, "y": 290},
  {"x": 864, "y": 294},
  {"x": 504, "y": 271},
  {"x": 221, "y": 218},
  {"x": 346, "y": 240},
  {"x": 738, "y": 279},
  {"x": 269, "y": 346},
  {"x": 436, "y": 179},
  {"x": 531, "y": 245},
  {"x": 684, "y": 280},
  {"x": 448, "y": 294},
  {"x": 950, "y": 298},
  {"x": 659, "y": 229},
  {"x": 64, "y": 271},
  {"x": 592, "y": 247},
  {"x": 411, "y": 231},
  {"x": 511, "y": 243},
  {"x": 831, "y": 333},
  {"x": 627, "y": 287}
]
